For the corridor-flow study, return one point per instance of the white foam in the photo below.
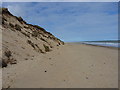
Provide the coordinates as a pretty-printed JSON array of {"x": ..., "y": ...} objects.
[{"x": 104, "y": 44}]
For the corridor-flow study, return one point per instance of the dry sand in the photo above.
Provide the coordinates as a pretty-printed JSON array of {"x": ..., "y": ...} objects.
[{"x": 70, "y": 66}]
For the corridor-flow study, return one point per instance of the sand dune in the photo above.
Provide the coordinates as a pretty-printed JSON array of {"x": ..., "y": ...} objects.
[{"x": 69, "y": 66}]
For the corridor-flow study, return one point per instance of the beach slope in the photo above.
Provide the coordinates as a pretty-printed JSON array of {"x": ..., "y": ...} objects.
[{"x": 69, "y": 66}]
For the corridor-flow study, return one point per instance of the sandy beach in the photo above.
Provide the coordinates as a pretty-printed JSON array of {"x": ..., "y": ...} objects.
[{"x": 69, "y": 66}]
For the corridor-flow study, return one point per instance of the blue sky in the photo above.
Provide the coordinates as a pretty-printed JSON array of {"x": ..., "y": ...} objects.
[{"x": 71, "y": 21}]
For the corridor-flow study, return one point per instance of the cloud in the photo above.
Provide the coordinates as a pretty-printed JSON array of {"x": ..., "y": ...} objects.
[{"x": 71, "y": 21}]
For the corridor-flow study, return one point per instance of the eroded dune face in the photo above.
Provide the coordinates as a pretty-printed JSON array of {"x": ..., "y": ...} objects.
[{"x": 20, "y": 39}]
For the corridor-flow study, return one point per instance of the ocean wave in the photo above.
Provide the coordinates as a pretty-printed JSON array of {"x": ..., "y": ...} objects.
[{"x": 104, "y": 44}]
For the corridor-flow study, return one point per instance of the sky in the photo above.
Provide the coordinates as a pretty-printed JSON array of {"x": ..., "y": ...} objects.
[
  {"x": 71, "y": 21},
  {"x": 60, "y": 0}
]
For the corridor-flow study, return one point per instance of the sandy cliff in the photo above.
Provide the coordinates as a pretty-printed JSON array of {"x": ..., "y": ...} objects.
[{"x": 21, "y": 40}]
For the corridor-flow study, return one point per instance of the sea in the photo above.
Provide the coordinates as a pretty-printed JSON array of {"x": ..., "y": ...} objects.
[{"x": 112, "y": 43}]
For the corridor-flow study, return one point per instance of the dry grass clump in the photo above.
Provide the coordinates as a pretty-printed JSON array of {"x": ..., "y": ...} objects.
[
  {"x": 38, "y": 27},
  {"x": 47, "y": 49},
  {"x": 38, "y": 48},
  {"x": 18, "y": 27},
  {"x": 3, "y": 20},
  {"x": 19, "y": 18},
  {"x": 11, "y": 25},
  {"x": 35, "y": 33},
  {"x": 27, "y": 35},
  {"x": 8, "y": 59},
  {"x": 8, "y": 53},
  {"x": 32, "y": 44},
  {"x": 43, "y": 39},
  {"x": 35, "y": 46}
]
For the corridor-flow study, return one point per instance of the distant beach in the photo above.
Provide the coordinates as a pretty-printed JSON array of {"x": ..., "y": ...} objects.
[{"x": 102, "y": 43}]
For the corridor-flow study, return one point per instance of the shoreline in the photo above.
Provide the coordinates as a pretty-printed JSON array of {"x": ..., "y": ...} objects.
[
  {"x": 110, "y": 47},
  {"x": 103, "y": 46}
]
